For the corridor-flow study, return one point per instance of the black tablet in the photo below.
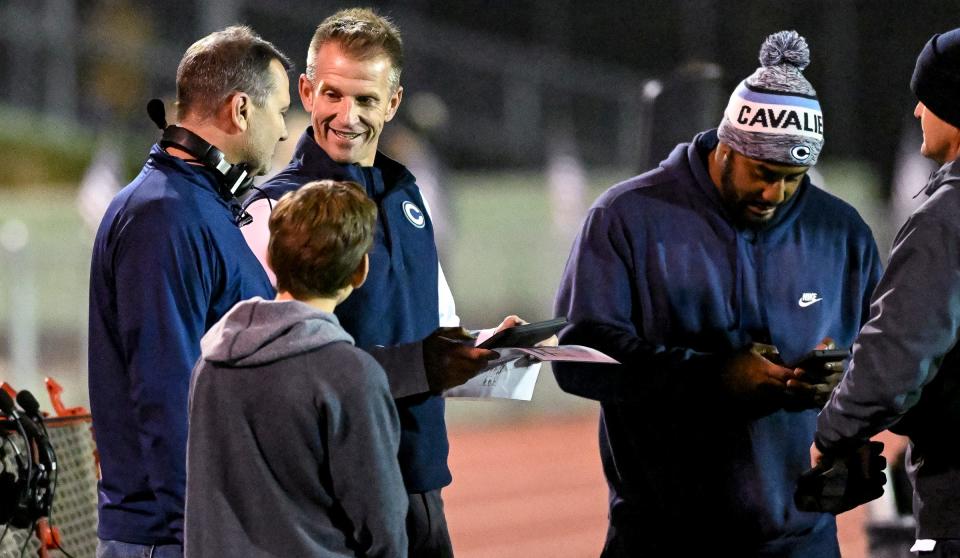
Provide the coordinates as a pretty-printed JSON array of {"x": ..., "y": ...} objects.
[{"x": 526, "y": 335}]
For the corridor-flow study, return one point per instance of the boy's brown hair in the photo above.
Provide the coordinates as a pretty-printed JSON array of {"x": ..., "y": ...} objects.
[{"x": 318, "y": 237}]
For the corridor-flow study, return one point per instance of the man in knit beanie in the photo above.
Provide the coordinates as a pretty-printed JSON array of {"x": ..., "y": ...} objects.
[
  {"x": 905, "y": 370},
  {"x": 710, "y": 278},
  {"x": 773, "y": 118},
  {"x": 774, "y": 114}
]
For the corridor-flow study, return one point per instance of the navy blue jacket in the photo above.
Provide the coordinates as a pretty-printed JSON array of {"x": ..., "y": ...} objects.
[
  {"x": 905, "y": 370},
  {"x": 399, "y": 301},
  {"x": 661, "y": 279},
  {"x": 168, "y": 262}
]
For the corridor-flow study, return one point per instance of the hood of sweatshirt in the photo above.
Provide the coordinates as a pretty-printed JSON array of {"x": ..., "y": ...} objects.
[
  {"x": 257, "y": 332},
  {"x": 949, "y": 172}
]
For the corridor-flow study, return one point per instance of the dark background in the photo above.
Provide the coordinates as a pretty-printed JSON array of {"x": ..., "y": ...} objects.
[{"x": 516, "y": 77}]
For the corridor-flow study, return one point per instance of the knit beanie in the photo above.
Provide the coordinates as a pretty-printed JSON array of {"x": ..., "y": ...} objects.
[
  {"x": 774, "y": 114},
  {"x": 936, "y": 79}
]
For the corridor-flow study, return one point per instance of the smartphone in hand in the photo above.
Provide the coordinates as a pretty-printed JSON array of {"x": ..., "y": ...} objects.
[{"x": 820, "y": 363}]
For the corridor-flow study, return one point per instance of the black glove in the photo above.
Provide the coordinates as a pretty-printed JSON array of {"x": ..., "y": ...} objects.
[
  {"x": 450, "y": 359},
  {"x": 842, "y": 481},
  {"x": 811, "y": 392},
  {"x": 820, "y": 372}
]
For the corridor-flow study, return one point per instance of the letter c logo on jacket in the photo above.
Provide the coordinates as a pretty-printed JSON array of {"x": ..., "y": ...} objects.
[{"x": 414, "y": 214}]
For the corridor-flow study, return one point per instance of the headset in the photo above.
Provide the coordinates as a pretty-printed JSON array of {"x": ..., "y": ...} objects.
[
  {"x": 232, "y": 180},
  {"x": 28, "y": 495}
]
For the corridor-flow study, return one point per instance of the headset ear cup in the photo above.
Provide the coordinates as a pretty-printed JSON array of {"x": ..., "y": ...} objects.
[
  {"x": 9, "y": 496},
  {"x": 25, "y": 513},
  {"x": 228, "y": 176},
  {"x": 45, "y": 492},
  {"x": 30, "y": 506},
  {"x": 20, "y": 503}
]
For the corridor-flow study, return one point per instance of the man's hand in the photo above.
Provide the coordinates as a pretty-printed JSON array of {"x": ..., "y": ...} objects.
[
  {"x": 510, "y": 321},
  {"x": 811, "y": 389},
  {"x": 450, "y": 359},
  {"x": 551, "y": 341},
  {"x": 755, "y": 384},
  {"x": 841, "y": 481},
  {"x": 816, "y": 456}
]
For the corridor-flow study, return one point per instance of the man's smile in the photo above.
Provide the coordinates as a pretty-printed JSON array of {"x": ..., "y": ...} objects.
[{"x": 347, "y": 135}]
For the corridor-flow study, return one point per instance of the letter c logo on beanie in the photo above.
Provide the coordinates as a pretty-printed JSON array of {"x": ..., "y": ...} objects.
[{"x": 801, "y": 153}]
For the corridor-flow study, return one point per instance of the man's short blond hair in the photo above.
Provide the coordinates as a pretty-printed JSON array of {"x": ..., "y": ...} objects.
[{"x": 362, "y": 33}]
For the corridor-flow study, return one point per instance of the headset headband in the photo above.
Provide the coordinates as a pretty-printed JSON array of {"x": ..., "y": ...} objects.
[{"x": 232, "y": 180}]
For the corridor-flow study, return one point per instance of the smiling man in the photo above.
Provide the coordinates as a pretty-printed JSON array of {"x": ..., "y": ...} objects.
[
  {"x": 687, "y": 275},
  {"x": 350, "y": 98},
  {"x": 404, "y": 314}
]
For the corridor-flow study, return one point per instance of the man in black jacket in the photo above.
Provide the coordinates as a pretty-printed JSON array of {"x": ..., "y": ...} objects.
[{"x": 905, "y": 370}]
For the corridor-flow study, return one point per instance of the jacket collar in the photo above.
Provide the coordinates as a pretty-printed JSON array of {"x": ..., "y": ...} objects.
[
  {"x": 314, "y": 161},
  {"x": 197, "y": 174},
  {"x": 949, "y": 172},
  {"x": 200, "y": 176}
]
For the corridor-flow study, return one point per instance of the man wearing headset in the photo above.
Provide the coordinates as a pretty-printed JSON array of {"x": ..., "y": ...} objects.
[{"x": 168, "y": 262}]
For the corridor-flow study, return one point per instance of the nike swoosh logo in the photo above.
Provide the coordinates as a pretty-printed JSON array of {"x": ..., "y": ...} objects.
[{"x": 804, "y": 303}]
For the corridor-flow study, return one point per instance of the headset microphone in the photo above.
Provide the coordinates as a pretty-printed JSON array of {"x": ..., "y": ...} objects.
[
  {"x": 29, "y": 404},
  {"x": 8, "y": 408},
  {"x": 232, "y": 180},
  {"x": 157, "y": 113}
]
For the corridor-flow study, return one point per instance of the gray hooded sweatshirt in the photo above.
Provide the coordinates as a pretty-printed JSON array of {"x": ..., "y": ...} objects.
[{"x": 292, "y": 448}]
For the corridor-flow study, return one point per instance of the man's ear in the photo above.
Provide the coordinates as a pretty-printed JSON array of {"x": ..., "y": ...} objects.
[
  {"x": 240, "y": 107},
  {"x": 360, "y": 274},
  {"x": 394, "y": 104},
  {"x": 723, "y": 151},
  {"x": 307, "y": 92}
]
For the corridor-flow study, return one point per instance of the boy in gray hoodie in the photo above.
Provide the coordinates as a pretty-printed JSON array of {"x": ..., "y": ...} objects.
[{"x": 292, "y": 448}]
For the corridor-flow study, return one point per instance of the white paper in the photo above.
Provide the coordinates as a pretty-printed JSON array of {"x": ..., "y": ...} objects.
[
  {"x": 505, "y": 379},
  {"x": 567, "y": 353},
  {"x": 514, "y": 374}
]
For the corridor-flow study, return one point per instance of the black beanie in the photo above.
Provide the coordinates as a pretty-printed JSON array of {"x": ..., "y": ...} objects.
[{"x": 936, "y": 79}]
